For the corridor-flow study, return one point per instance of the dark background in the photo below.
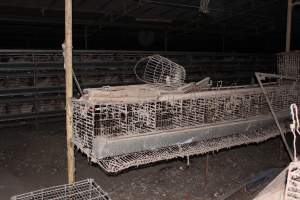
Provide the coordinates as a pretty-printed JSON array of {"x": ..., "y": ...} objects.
[{"x": 228, "y": 26}]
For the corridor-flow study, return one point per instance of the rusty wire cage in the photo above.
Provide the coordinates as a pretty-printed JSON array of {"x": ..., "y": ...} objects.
[
  {"x": 81, "y": 190},
  {"x": 160, "y": 71}
]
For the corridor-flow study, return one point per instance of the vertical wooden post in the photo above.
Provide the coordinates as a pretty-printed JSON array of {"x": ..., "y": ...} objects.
[
  {"x": 288, "y": 26},
  {"x": 69, "y": 90}
]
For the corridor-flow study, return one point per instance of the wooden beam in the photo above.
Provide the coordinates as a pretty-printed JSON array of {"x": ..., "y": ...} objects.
[
  {"x": 288, "y": 26},
  {"x": 69, "y": 90}
]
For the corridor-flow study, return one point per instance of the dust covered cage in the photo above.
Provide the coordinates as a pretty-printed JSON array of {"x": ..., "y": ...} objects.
[
  {"x": 125, "y": 126},
  {"x": 81, "y": 190}
]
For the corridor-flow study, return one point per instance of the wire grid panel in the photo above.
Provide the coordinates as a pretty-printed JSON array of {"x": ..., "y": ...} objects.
[
  {"x": 81, "y": 190},
  {"x": 292, "y": 190},
  {"x": 288, "y": 63},
  {"x": 160, "y": 71}
]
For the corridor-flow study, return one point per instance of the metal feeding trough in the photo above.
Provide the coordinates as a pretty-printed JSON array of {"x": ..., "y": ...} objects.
[
  {"x": 81, "y": 190},
  {"x": 124, "y": 126}
]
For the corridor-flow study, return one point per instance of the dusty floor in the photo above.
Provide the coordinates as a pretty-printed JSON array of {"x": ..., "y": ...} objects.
[{"x": 32, "y": 159}]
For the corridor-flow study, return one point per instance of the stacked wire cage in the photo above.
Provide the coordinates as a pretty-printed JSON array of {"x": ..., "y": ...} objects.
[
  {"x": 288, "y": 63},
  {"x": 81, "y": 190}
]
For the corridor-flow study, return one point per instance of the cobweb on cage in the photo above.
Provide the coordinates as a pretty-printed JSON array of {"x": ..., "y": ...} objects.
[
  {"x": 160, "y": 71},
  {"x": 81, "y": 190}
]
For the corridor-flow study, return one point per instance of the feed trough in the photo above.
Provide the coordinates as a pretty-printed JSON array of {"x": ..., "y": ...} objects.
[{"x": 125, "y": 126}]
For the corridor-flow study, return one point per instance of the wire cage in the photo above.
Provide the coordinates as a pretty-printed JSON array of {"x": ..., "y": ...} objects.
[
  {"x": 160, "y": 71},
  {"x": 122, "y": 134},
  {"x": 81, "y": 190},
  {"x": 133, "y": 125},
  {"x": 288, "y": 63}
]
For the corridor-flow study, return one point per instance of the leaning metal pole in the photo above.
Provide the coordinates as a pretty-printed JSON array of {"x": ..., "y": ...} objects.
[
  {"x": 69, "y": 90},
  {"x": 258, "y": 77}
]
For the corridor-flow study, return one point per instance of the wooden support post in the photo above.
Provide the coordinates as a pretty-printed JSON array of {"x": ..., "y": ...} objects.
[
  {"x": 288, "y": 26},
  {"x": 69, "y": 90}
]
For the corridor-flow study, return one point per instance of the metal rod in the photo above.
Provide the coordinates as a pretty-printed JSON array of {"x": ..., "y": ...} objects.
[
  {"x": 288, "y": 25},
  {"x": 77, "y": 84},
  {"x": 274, "y": 116},
  {"x": 69, "y": 90}
]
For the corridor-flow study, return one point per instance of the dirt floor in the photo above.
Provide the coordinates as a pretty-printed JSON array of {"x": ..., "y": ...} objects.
[{"x": 33, "y": 159}]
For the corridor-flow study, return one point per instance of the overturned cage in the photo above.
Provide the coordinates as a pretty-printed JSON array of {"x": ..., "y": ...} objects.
[{"x": 124, "y": 126}]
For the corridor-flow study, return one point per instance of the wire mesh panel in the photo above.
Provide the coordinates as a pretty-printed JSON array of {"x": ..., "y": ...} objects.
[
  {"x": 160, "y": 71},
  {"x": 82, "y": 190},
  {"x": 176, "y": 110},
  {"x": 288, "y": 63},
  {"x": 292, "y": 191}
]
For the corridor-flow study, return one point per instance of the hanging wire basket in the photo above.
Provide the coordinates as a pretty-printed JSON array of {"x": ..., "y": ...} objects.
[{"x": 160, "y": 71}]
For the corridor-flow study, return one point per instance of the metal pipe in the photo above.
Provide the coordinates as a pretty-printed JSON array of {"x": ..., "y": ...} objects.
[
  {"x": 69, "y": 90},
  {"x": 288, "y": 25}
]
